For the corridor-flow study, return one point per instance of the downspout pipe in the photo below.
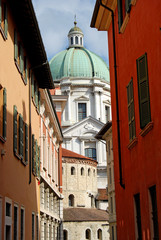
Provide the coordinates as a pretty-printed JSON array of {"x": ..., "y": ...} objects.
[{"x": 116, "y": 92}]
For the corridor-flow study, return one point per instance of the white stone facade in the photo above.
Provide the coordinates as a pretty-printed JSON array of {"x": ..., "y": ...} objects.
[{"x": 51, "y": 206}]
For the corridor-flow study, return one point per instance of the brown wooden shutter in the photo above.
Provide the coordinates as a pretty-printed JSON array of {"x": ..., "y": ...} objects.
[
  {"x": 143, "y": 88},
  {"x": 5, "y": 20},
  {"x": 119, "y": 4},
  {"x": 15, "y": 129},
  {"x": 15, "y": 46}
]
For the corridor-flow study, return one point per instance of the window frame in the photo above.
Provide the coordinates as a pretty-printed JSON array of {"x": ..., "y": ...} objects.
[
  {"x": 93, "y": 151},
  {"x": 16, "y": 206},
  {"x": 3, "y": 19},
  {"x": 8, "y": 219},
  {"x": 22, "y": 227},
  {"x": 82, "y": 112}
]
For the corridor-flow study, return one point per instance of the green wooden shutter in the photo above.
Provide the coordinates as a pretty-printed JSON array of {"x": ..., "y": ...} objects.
[
  {"x": 15, "y": 46},
  {"x": 15, "y": 129},
  {"x": 39, "y": 162},
  {"x": 0, "y": 11},
  {"x": 21, "y": 136},
  {"x": 127, "y": 5},
  {"x": 36, "y": 95},
  {"x": 21, "y": 59},
  {"x": 119, "y": 4},
  {"x": 36, "y": 158},
  {"x": 32, "y": 85},
  {"x": 143, "y": 88},
  {"x": 4, "y": 113},
  {"x": 26, "y": 72},
  {"x": 33, "y": 152},
  {"x": 131, "y": 114},
  {"x": 39, "y": 101},
  {"x": 26, "y": 143},
  {"x": 5, "y": 20}
]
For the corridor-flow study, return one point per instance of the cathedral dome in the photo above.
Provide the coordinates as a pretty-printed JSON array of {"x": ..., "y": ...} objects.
[{"x": 77, "y": 61}]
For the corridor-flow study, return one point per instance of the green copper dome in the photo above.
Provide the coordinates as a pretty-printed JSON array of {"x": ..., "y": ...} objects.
[{"x": 78, "y": 62}]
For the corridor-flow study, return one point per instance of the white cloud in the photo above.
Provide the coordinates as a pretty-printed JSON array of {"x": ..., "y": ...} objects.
[{"x": 56, "y": 18}]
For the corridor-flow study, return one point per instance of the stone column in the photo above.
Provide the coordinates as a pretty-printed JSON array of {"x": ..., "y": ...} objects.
[
  {"x": 55, "y": 205},
  {"x": 51, "y": 202},
  {"x": 69, "y": 106},
  {"x": 47, "y": 199},
  {"x": 47, "y": 229},
  {"x": 42, "y": 227},
  {"x": 96, "y": 97},
  {"x": 82, "y": 147},
  {"x": 42, "y": 195},
  {"x": 101, "y": 107},
  {"x": 99, "y": 153}
]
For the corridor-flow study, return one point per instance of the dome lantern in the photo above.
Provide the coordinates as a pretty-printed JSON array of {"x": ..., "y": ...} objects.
[{"x": 75, "y": 36}]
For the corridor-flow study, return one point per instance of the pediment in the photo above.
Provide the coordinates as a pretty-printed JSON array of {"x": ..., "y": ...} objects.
[
  {"x": 81, "y": 98},
  {"x": 87, "y": 127}
]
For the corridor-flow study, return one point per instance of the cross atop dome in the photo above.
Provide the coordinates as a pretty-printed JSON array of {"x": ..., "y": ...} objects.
[{"x": 75, "y": 36}]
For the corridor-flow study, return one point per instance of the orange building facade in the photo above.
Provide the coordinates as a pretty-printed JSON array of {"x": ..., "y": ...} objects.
[
  {"x": 24, "y": 77},
  {"x": 134, "y": 57}
]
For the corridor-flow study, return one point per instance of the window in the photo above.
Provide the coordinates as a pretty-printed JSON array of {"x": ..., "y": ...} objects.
[
  {"x": 35, "y": 157},
  {"x": 123, "y": 10},
  {"x": 131, "y": 115},
  {"x": 82, "y": 171},
  {"x": 33, "y": 226},
  {"x": 111, "y": 204},
  {"x": 143, "y": 89},
  {"x": 0, "y": 218},
  {"x": 65, "y": 233},
  {"x": 20, "y": 136},
  {"x": 109, "y": 149},
  {"x": 15, "y": 230},
  {"x": 80, "y": 41},
  {"x": 113, "y": 238},
  {"x": 138, "y": 216},
  {"x": 44, "y": 230},
  {"x": 88, "y": 234},
  {"x": 71, "y": 200},
  {"x": 72, "y": 170},
  {"x": 71, "y": 40},
  {"x": 22, "y": 230},
  {"x": 35, "y": 93},
  {"x": 3, "y": 113},
  {"x": 89, "y": 171},
  {"x": 99, "y": 234},
  {"x": 91, "y": 153},
  {"x": 107, "y": 113},
  {"x": 8, "y": 219},
  {"x": 3, "y": 19},
  {"x": 110, "y": 177},
  {"x": 37, "y": 227},
  {"x": 154, "y": 213},
  {"x": 76, "y": 40},
  {"x": 82, "y": 113},
  {"x": 20, "y": 60}
]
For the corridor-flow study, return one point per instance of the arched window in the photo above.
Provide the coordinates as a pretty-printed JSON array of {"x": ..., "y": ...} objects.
[
  {"x": 94, "y": 172},
  {"x": 91, "y": 153},
  {"x": 71, "y": 200},
  {"x": 62, "y": 170},
  {"x": 80, "y": 41},
  {"x": 65, "y": 234},
  {"x": 99, "y": 234},
  {"x": 72, "y": 170},
  {"x": 88, "y": 234},
  {"x": 76, "y": 40},
  {"x": 82, "y": 171},
  {"x": 71, "y": 40},
  {"x": 89, "y": 171}
]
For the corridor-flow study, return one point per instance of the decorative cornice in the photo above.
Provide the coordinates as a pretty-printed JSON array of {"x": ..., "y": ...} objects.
[{"x": 79, "y": 161}]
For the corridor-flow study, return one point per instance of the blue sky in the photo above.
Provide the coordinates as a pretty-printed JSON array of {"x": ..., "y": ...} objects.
[{"x": 56, "y": 18}]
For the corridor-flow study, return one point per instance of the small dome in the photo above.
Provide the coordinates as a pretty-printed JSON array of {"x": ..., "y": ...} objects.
[
  {"x": 78, "y": 62},
  {"x": 75, "y": 29}
]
